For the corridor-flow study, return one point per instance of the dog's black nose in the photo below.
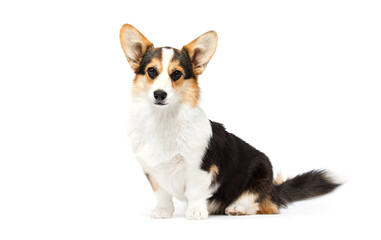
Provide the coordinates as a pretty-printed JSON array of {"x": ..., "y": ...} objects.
[{"x": 159, "y": 95}]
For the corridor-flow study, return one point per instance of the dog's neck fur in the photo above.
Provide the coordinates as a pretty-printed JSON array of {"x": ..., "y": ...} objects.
[{"x": 160, "y": 134}]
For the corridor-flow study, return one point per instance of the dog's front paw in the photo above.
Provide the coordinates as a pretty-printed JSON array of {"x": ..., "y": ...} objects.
[
  {"x": 196, "y": 213},
  {"x": 159, "y": 212}
]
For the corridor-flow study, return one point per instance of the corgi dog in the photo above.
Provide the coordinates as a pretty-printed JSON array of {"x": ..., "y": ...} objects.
[{"x": 185, "y": 155}]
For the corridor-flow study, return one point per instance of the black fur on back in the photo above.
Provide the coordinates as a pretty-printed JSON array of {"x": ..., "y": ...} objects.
[{"x": 242, "y": 168}]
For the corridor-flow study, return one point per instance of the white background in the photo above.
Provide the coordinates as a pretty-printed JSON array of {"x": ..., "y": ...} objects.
[{"x": 300, "y": 80}]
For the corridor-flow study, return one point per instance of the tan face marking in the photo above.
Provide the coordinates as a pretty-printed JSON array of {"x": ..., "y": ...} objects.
[
  {"x": 143, "y": 82},
  {"x": 173, "y": 66},
  {"x": 156, "y": 64},
  {"x": 187, "y": 88},
  {"x": 140, "y": 85},
  {"x": 191, "y": 92}
]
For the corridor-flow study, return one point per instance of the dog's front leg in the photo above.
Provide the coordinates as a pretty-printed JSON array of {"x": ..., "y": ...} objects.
[
  {"x": 197, "y": 192},
  {"x": 164, "y": 207}
]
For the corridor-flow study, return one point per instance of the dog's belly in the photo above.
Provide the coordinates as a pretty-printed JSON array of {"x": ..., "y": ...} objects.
[{"x": 170, "y": 176}]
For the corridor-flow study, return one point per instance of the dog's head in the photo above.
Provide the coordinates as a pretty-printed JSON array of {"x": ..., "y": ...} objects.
[{"x": 167, "y": 76}]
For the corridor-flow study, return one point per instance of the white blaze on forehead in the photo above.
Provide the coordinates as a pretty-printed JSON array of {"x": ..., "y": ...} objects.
[
  {"x": 166, "y": 56},
  {"x": 163, "y": 81}
]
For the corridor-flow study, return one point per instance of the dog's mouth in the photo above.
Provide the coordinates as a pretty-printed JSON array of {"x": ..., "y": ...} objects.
[{"x": 160, "y": 103}]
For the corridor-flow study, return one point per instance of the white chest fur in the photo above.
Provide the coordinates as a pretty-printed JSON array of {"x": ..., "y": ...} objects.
[{"x": 169, "y": 142}]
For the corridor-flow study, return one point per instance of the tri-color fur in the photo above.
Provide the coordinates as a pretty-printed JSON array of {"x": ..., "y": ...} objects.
[{"x": 187, "y": 156}]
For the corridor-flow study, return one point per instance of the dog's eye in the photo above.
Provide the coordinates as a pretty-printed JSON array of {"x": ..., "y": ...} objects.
[
  {"x": 152, "y": 73},
  {"x": 176, "y": 75}
]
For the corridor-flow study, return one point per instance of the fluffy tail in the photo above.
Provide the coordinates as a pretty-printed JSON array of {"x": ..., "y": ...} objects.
[{"x": 307, "y": 185}]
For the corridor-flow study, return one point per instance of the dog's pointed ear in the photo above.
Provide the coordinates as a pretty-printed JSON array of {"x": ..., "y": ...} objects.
[
  {"x": 134, "y": 45},
  {"x": 201, "y": 50}
]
